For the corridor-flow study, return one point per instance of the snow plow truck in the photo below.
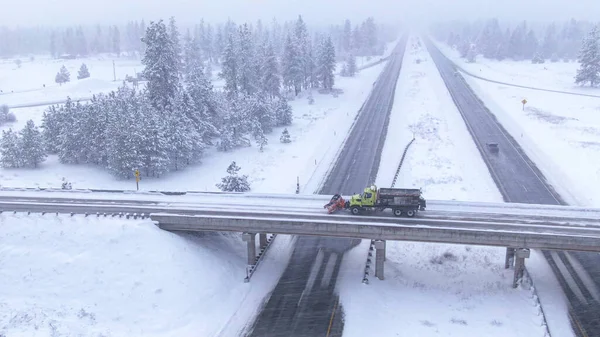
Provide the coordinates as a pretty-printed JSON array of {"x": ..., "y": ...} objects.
[{"x": 402, "y": 201}]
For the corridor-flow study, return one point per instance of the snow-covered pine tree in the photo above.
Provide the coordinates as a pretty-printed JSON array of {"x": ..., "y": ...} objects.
[
  {"x": 351, "y": 67},
  {"x": 72, "y": 132},
  {"x": 517, "y": 42},
  {"x": 326, "y": 64},
  {"x": 155, "y": 148},
  {"x": 185, "y": 143},
  {"x": 472, "y": 54},
  {"x": 347, "y": 37},
  {"x": 63, "y": 76},
  {"x": 233, "y": 182},
  {"x": 83, "y": 72},
  {"x": 174, "y": 35},
  {"x": 489, "y": 39},
  {"x": 116, "y": 41},
  {"x": 311, "y": 59},
  {"x": 293, "y": 68},
  {"x": 162, "y": 66},
  {"x": 270, "y": 79},
  {"x": 10, "y": 149},
  {"x": 549, "y": 46},
  {"x": 52, "y": 126},
  {"x": 80, "y": 42},
  {"x": 247, "y": 75},
  {"x": 301, "y": 41},
  {"x": 229, "y": 69},
  {"x": 283, "y": 112},
  {"x": 531, "y": 45},
  {"x": 32, "y": 145},
  {"x": 589, "y": 59},
  {"x": 203, "y": 110},
  {"x": 285, "y": 137}
]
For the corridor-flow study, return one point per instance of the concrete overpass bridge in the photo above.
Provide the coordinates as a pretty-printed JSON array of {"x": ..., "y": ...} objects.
[{"x": 519, "y": 227}]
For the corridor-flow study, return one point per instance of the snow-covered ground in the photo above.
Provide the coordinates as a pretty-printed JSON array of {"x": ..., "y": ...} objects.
[
  {"x": 317, "y": 132},
  {"x": 91, "y": 276},
  {"x": 78, "y": 276},
  {"x": 549, "y": 75},
  {"x": 438, "y": 289},
  {"x": 560, "y": 133}
]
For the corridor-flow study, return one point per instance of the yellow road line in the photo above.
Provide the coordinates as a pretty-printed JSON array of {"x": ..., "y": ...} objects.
[{"x": 332, "y": 316}]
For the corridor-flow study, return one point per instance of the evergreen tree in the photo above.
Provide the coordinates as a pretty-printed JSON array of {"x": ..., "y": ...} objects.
[
  {"x": 301, "y": 41},
  {"x": 472, "y": 54},
  {"x": 549, "y": 46},
  {"x": 63, "y": 76},
  {"x": 292, "y": 67},
  {"x": 32, "y": 145},
  {"x": 531, "y": 45},
  {"x": 233, "y": 182},
  {"x": 269, "y": 76},
  {"x": 285, "y": 137},
  {"x": 162, "y": 66},
  {"x": 245, "y": 62},
  {"x": 347, "y": 37},
  {"x": 490, "y": 39},
  {"x": 589, "y": 59},
  {"x": 116, "y": 41},
  {"x": 517, "y": 42},
  {"x": 83, "y": 72},
  {"x": 326, "y": 64},
  {"x": 176, "y": 43},
  {"x": 229, "y": 69},
  {"x": 10, "y": 149},
  {"x": 53, "y": 48},
  {"x": 81, "y": 43},
  {"x": 283, "y": 112},
  {"x": 351, "y": 68}
]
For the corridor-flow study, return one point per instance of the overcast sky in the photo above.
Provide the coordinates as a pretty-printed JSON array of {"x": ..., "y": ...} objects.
[{"x": 61, "y": 12}]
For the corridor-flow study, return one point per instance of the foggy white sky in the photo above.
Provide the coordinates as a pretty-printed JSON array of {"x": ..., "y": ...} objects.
[{"x": 61, "y": 12}]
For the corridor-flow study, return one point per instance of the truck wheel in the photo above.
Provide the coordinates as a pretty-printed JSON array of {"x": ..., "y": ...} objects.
[
  {"x": 398, "y": 212},
  {"x": 410, "y": 213},
  {"x": 355, "y": 210}
]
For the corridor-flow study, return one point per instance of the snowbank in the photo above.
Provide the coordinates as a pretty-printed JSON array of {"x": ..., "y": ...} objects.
[{"x": 78, "y": 276}]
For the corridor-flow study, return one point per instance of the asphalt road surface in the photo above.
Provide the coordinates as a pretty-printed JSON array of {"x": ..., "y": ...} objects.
[
  {"x": 519, "y": 180},
  {"x": 304, "y": 302}
]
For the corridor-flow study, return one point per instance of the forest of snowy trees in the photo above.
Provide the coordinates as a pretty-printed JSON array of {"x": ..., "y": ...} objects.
[
  {"x": 363, "y": 39},
  {"x": 168, "y": 124},
  {"x": 567, "y": 41},
  {"x": 492, "y": 40}
]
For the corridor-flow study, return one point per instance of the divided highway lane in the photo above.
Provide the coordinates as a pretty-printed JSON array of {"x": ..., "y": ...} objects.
[
  {"x": 519, "y": 180},
  {"x": 304, "y": 302}
]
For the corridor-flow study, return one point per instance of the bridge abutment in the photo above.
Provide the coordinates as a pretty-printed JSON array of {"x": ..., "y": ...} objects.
[
  {"x": 250, "y": 239},
  {"x": 510, "y": 257},
  {"x": 379, "y": 258},
  {"x": 262, "y": 240},
  {"x": 520, "y": 255}
]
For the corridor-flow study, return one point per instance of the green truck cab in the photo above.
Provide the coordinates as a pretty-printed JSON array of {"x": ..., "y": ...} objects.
[{"x": 402, "y": 201}]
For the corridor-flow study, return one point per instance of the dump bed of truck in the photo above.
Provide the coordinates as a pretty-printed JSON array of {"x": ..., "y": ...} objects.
[{"x": 399, "y": 192}]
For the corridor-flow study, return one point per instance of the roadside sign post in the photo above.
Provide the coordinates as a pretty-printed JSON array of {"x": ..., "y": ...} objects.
[
  {"x": 524, "y": 101},
  {"x": 137, "y": 180}
]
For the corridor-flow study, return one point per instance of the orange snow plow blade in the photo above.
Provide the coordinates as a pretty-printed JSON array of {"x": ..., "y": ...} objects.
[{"x": 336, "y": 203}]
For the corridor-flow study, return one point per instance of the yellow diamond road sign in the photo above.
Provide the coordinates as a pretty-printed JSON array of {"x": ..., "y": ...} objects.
[{"x": 524, "y": 101}]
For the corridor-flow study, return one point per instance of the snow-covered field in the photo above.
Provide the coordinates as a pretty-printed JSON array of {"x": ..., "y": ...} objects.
[
  {"x": 560, "y": 133},
  {"x": 438, "y": 289},
  {"x": 549, "y": 75},
  {"x": 115, "y": 277},
  {"x": 78, "y": 276},
  {"x": 317, "y": 132}
]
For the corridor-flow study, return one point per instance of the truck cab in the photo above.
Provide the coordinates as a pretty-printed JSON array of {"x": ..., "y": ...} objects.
[{"x": 367, "y": 199}]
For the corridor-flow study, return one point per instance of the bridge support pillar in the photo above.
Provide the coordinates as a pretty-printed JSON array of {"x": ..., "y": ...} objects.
[
  {"x": 520, "y": 255},
  {"x": 379, "y": 258},
  {"x": 262, "y": 240},
  {"x": 510, "y": 256},
  {"x": 250, "y": 239}
]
